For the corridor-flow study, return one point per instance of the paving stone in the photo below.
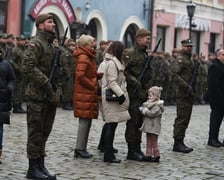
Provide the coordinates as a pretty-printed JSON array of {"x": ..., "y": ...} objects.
[{"x": 203, "y": 163}]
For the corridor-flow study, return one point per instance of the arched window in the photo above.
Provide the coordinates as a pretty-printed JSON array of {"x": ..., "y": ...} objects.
[
  {"x": 93, "y": 28},
  {"x": 129, "y": 36}
]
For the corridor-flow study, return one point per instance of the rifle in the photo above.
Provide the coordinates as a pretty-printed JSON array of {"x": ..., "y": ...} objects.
[
  {"x": 148, "y": 61},
  {"x": 195, "y": 73},
  {"x": 54, "y": 74}
]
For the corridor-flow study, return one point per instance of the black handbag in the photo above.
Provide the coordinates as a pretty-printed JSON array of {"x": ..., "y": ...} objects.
[{"x": 111, "y": 96}]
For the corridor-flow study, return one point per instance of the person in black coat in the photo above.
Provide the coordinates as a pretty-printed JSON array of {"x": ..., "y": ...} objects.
[
  {"x": 216, "y": 98},
  {"x": 7, "y": 85}
]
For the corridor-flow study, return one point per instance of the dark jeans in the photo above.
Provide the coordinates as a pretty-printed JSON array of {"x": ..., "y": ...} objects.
[{"x": 216, "y": 117}]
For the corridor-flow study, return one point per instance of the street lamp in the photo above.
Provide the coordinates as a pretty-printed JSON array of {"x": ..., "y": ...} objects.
[{"x": 190, "y": 11}]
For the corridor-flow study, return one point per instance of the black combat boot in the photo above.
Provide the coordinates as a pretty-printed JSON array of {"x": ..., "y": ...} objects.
[
  {"x": 21, "y": 109},
  {"x": 67, "y": 106},
  {"x": 134, "y": 152},
  {"x": 179, "y": 146},
  {"x": 17, "y": 108},
  {"x": 34, "y": 171},
  {"x": 44, "y": 169}
]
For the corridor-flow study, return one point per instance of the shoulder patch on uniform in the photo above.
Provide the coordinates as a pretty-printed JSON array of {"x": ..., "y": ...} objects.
[
  {"x": 32, "y": 45},
  {"x": 179, "y": 60}
]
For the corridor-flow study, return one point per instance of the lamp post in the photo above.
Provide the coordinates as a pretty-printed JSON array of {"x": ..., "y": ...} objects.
[{"x": 190, "y": 11}]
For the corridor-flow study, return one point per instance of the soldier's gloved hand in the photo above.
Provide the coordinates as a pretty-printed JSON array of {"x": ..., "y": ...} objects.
[
  {"x": 138, "y": 84},
  {"x": 121, "y": 99},
  {"x": 55, "y": 99},
  {"x": 190, "y": 91},
  {"x": 48, "y": 89}
]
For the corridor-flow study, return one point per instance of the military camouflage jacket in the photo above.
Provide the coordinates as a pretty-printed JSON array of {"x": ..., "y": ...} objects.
[
  {"x": 38, "y": 57},
  {"x": 17, "y": 60},
  {"x": 182, "y": 70},
  {"x": 134, "y": 67}
]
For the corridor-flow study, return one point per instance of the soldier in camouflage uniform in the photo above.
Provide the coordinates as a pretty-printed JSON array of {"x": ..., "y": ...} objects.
[
  {"x": 201, "y": 81},
  {"x": 42, "y": 97},
  {"x": 100, "y": 51},
  {"x": 160, "y": 72},
  {"x": 171, "y": 99},
  {"x": 68, "y": 62},
  {"x": 10, "y": 44},
  {"x": 182, "y": 70},
  {"x": 2, "y": 43},
  {"x": 137, "y": 92},
  {"x": 17, "y": 63}
]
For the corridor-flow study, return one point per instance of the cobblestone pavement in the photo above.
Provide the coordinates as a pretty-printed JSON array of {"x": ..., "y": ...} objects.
[{"x": 203, "y": 163}]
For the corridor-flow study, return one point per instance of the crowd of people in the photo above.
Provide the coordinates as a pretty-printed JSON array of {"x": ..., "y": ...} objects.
[{"x": 111, "y": 80}]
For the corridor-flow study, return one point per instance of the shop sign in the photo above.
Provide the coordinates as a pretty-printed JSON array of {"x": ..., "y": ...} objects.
[{"x": 64, "y": 5}]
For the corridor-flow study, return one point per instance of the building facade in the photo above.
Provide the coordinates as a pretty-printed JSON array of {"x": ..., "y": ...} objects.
[
  {"x": 171, "y": 23},
  {"x": 105, "y": 20},
  {"x": 120, "y": 19}
]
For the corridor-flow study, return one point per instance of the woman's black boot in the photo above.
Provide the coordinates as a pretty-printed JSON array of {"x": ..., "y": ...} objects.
[{"x": 82, "y": 153}]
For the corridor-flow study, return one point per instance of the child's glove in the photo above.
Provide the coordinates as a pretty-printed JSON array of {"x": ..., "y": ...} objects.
[{"x": 140, "y": 109}]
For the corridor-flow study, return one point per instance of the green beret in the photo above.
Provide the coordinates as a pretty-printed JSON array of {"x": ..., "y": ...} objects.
[
  {"x": 4, "y": 36},
  {"x": 187, "y": 42},
  {"x": 43, "y": 17},
  {"x": 10, "y": 36},
  {"x": 21, "y": 37},
  {"x": 142, "y": 33}
]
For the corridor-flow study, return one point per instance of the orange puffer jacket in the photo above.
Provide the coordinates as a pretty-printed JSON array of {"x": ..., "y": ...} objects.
[{"x": 85, "y": 98}]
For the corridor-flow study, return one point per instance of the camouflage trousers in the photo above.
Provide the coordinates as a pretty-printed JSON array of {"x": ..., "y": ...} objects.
[
  {"x": 18, "y": 95},
  {"x": 132, "y": 133},
  {"x": 40, "y": 119},
  {"x": 67, "y": 91},
  {"x": 184, "y": 110}
]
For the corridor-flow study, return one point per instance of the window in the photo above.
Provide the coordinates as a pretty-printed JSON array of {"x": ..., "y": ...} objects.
[
  {"x": 3, "y": 15},
  {"x": 195, "y": 36},
  {"x": 129, "y": 36},
  {"x": 211, "y": 47},
  {"x": 93, "y": 28},
  {"x": 161, "y": 33}
]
